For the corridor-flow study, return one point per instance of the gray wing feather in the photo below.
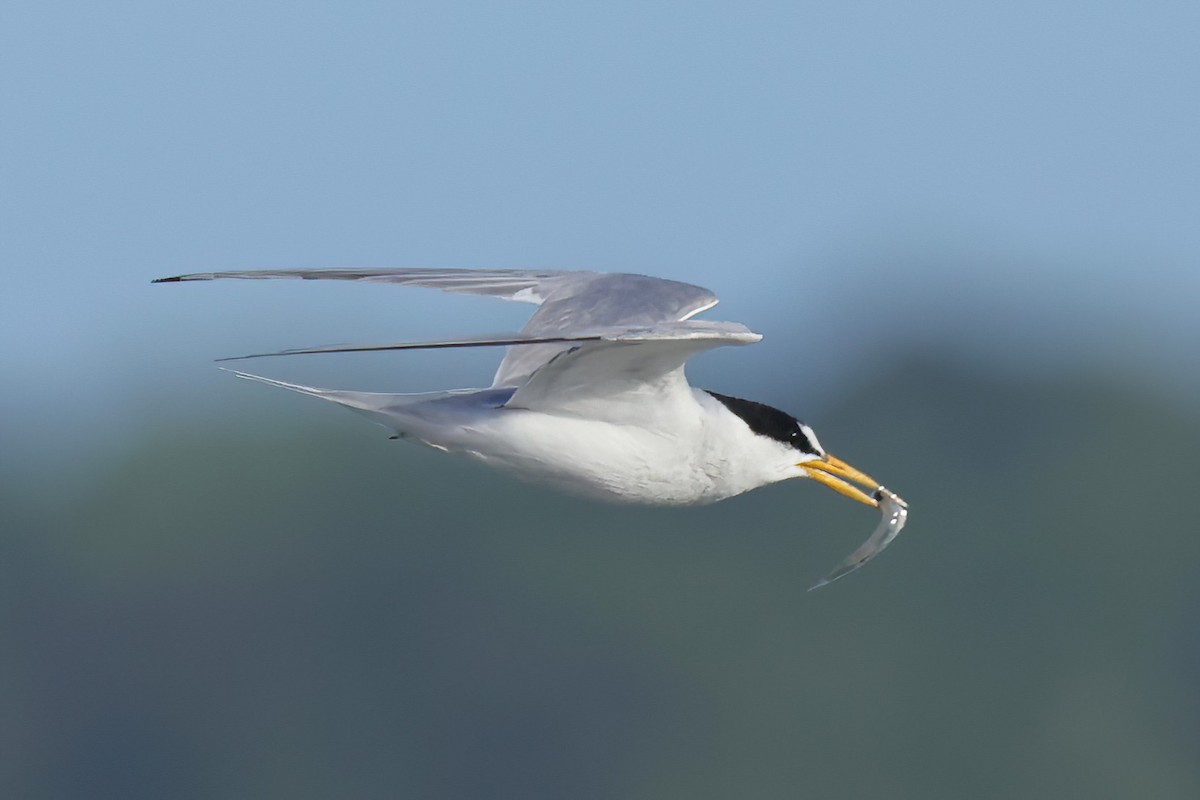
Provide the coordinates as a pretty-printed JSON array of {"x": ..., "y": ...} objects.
[
  {"x": 569, "y": 301},
  {"x": 485, "y": 340},
  {"x": 599, "y": 300},
  {"x": 530, "y": 286},
  {"x": 639, "y": 366}
]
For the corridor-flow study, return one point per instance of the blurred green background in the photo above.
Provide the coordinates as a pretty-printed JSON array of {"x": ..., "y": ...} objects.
[{"x": 967, "y": 232}]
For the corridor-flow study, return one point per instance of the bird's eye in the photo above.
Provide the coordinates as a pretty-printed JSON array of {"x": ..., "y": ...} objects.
[{"x": 804, "y": 440}]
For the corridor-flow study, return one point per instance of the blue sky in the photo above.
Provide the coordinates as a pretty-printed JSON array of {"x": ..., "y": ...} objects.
[{"x": 1023, "y": 178}]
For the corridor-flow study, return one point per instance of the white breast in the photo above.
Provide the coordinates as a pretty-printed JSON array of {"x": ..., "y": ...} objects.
[{"x": 699, "y": 454}]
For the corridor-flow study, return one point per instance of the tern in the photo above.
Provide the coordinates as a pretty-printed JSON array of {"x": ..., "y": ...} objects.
[{"x": 591, "y": 396}]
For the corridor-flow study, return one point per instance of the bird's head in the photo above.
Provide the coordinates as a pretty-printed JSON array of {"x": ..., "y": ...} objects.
[{"x": 796, "y": 447}]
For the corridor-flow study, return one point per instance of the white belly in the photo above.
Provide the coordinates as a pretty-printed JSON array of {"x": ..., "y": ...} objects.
[
  {"x": 601, "y": 460},
  {"x": 701, "y": 454}
]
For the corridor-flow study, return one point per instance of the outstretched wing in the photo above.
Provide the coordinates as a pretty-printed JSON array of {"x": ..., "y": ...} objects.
[
  {"x": 613, "y": 373},
  {"x": 478, "y": 340},
  {"x": 530, "y": 286},
  {"x": 598, "y": 300},
  {"x": 568, "y": 301}
]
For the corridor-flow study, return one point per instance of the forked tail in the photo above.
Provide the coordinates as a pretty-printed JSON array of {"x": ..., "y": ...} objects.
[{"x": 381, "y": 407}]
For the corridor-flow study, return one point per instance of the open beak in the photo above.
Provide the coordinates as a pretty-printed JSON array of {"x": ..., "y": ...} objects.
[{"x": 837, "y": 475}]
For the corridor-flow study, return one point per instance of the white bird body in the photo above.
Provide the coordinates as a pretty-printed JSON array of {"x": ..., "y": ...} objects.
[
  {"x": 591, "y": 396},
  {"x": 691, "y": 451},
  {"x": 702, "y": 456}
]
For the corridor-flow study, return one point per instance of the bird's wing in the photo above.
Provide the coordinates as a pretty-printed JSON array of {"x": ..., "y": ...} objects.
[
  {"x": 627, "y": 374},
  {"x": 600, "y": 300},
  {"x": 618, "y": 374},
  {"x": 568, "y": 301},
  {"x": 478, "y": 340},
  {"x": 525, "y": 285}
]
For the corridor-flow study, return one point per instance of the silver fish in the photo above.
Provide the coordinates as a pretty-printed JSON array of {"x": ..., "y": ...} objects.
[{"x": 894, "y": 513}]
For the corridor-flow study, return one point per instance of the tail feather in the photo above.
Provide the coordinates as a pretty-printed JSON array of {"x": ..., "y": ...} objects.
[{"x": 381, "y": 407}]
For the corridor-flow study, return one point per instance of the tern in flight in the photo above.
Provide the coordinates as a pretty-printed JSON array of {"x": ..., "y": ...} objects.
[{"x": 591, "y": 396}]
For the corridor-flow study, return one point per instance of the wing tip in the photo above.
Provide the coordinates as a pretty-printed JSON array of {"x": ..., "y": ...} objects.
[
  {"x": 190, "y": 276},
  {"x": 249, "y": 376}
]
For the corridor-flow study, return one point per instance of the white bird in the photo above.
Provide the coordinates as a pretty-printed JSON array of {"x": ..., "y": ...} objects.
[{"x": 591, "y": 396}]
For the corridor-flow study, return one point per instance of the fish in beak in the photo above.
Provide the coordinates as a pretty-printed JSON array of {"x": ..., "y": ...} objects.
[{"x": 841, "y": 477}]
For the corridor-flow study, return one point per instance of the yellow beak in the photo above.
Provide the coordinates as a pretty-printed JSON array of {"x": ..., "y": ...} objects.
[{"x": 837, "y": 474}]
